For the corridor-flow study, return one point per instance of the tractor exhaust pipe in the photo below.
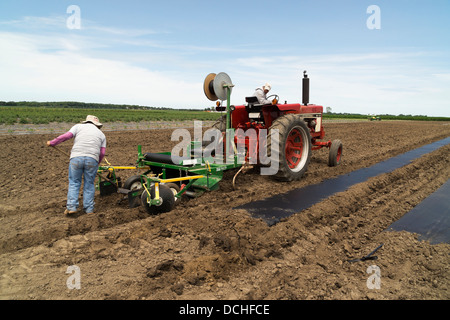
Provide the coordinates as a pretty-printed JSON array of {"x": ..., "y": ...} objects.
[{"x": 305, "y": 98}]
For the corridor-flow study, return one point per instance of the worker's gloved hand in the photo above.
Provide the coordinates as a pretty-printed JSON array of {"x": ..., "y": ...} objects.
[{"x": 49, "y": 144}]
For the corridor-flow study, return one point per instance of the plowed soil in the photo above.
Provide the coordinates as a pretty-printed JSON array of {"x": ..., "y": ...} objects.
[{"x": 204, "y": 249}]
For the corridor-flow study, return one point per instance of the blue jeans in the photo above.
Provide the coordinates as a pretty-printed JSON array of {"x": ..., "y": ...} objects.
[{"x": 82, "y": 167}]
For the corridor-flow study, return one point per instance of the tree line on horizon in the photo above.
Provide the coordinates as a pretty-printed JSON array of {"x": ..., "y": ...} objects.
[{"x": 82, "y": 105}]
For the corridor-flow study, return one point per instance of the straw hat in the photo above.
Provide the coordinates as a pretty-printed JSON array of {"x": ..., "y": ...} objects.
[{"x": 94, "y": 120}]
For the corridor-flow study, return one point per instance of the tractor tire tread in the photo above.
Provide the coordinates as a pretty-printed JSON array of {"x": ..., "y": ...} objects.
[{"x": 282, "y": 124}]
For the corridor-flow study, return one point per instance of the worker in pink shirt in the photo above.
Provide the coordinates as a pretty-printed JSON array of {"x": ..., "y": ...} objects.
[{"x": 88, "y": 150}]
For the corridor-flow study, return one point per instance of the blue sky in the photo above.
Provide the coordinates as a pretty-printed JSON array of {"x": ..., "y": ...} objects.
[{"x": 157, "y": 53}]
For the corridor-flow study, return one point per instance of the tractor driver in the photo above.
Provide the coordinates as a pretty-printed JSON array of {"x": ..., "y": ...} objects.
[{"x": 261, "y": 94}]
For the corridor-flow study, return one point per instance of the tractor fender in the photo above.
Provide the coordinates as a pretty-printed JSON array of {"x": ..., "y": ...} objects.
[{"x": 298, "y": 108}]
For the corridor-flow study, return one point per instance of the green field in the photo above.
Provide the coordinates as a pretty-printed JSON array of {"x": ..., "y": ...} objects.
[
  {"x": 43, "y": 115},
  {"x": 26, "y": 114}
]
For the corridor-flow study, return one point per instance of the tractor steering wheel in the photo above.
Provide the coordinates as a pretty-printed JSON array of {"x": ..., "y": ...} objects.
[{"x": 274, "y": 95}]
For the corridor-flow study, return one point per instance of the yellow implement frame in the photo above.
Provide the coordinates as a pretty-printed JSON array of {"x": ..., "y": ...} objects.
[{"x": 157, "y": 181}]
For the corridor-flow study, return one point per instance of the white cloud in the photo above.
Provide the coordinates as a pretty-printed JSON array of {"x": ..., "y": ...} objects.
[
  {"x": 36, "y": 23},
  {"x": 30, "y": 73}
]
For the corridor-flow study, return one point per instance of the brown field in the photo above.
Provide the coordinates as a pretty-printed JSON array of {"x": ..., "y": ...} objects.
[{"x": 204, "y": 249}]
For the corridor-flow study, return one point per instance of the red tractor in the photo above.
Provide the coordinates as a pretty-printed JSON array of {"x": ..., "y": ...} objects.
[{"x": 299, "y": 127}]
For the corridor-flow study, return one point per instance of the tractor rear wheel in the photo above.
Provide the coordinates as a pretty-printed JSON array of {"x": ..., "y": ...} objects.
[
  {"x": 294, "y": 143},
  {"x": 166, "y": 195}
]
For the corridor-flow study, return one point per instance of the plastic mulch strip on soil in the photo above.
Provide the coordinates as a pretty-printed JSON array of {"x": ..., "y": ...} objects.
[
  {"x": 430, "y": 218},
  {"x": 272, "y": 209}
]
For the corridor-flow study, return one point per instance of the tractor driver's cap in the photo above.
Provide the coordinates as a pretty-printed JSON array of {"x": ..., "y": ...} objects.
[
  {"x": 94, "y": 120},
  {"x": 267, "y": 86}
]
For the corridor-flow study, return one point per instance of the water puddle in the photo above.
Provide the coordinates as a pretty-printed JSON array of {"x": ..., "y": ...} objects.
[
  {"x": 275, "y": 208},
  {"x": 430, "y": 219}
]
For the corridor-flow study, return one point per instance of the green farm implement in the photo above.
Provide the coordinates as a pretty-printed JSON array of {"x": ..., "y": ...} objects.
[{"x": 165, "y": 179}]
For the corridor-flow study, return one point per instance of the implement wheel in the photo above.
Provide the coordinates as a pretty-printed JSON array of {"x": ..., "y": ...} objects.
[
  {"x": 294, "y": 142},
  {"x": 165, "y": 194},
  {"x": 175, "y": 189},
  {"x": 133, "y": 183}
]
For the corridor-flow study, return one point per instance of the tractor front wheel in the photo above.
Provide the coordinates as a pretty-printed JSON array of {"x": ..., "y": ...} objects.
[
  {"x": 294, "y": 144},
  {"x": 334, "y": 157}
]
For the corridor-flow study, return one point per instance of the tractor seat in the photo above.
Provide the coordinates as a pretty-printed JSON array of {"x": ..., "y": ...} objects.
[
  {"x": 253, "y": 104},
  {"x": 254, "y": 108},
  {"x": 252, "y": 101}
]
